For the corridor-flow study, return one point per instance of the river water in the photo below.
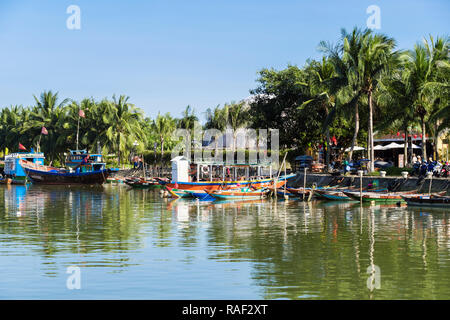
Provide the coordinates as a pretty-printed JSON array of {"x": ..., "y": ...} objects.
[{"x": 132, "y": 244}]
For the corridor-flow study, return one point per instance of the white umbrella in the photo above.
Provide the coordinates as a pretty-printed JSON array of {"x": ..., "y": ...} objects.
[
  {"x": 378, "y": 147},
  {"x": 413, "y": 146},
  {"x": 356, "y": 148},
  {"x": 392, "y": 145}
]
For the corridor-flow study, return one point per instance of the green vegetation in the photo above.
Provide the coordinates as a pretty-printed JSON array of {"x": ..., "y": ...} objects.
[{"x": 360, "y": 86}]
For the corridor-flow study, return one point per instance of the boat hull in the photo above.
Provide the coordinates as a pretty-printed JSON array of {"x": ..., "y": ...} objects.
[
  {"x": 220, "y": 185},
  {"x": 94, "y": 177},
  {"x": 428, "y": 201}
]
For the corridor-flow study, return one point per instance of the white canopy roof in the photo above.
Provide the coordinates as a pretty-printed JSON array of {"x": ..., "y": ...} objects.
[
  {"x": 392, "y": 145},
  {"x": 356, "y": 148}
]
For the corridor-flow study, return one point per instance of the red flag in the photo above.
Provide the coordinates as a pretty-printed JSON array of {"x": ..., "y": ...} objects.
[
  {"x": 44, "y": 131},
  {"x": 21, "y": 147},
  {"x": 81, "y": 113},
  {"x": 334, "y": 140}
]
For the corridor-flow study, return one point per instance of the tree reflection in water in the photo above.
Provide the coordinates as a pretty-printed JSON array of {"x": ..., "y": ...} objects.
[{"x": 291, "y": 249}]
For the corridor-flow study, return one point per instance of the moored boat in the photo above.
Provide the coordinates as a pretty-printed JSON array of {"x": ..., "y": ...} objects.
[
  {"x": 14, "y": 172},
  {"x": 427, "y": 200},
  {"x": 242, "y": 193},
  {"x": 142, "y": 183},
  {"x": 179, "y": 193},
  {"x": 380, "y": 196},
  {"x": 42, "y": 174}
]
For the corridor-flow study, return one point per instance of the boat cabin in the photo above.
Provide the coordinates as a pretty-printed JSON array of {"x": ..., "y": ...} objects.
[
  {"x": 84, "y": 162},
  {"x": 13, "y": 167},
  {"x": 185, "y": 171}
]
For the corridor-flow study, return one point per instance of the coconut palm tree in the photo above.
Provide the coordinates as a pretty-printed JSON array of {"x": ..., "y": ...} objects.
[
  {"x": 188, "y": 118},
  {"x": 344, "y": 57},
  {"x": 123, "y": 121},
  {"x": 48, "y": 113},
  {"x": 163, "y": 125},
  {"x": 237, "y": 118},
  {"x": 422, "y": 75},
  {"x": 322, "y": 94}
]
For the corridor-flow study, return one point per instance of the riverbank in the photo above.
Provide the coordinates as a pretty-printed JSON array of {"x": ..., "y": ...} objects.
[{"x": 411, "y": 183}]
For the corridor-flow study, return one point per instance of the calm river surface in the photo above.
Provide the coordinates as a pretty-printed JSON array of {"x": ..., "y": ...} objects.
[{"x": 131, "y": 244}]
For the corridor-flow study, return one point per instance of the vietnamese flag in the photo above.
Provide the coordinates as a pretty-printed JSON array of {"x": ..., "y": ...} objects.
[
  {"x": 21, "y": 147},
  {"x": 81, "y": 114},
  {"x": 44, "y": 131}
]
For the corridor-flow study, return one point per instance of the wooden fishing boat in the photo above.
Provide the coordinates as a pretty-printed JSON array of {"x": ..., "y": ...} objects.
[
  {"x": 337, "y": 194},
  {"x": 179, "y": 193},
  {"x": 141, "y": 183},
  {"x": 220, "y": 185},
  {"x": 427, "y": 200},
  {"x": 42, "y": 174},
  {"x": 242, "y": 193},
  {"x": 14, "y": 172},
  {"x": 379, "y": 196},
  {"x": 300, "y": 192}
]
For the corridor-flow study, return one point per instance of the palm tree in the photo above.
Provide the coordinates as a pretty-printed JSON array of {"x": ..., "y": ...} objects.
[
  {"x": 188, "y": 118},
  {"x": 422, "y": 76},
  {"x": 321, "y": 91},
  {"x": 398, "y": 112},
  {"x": 217, "y": 119},
  {"x": 375, "y": 58},
  {"x": 344, "y": 57},
  {"x": 11, "y": 120},
  {"x": 123, "y": 121},
  {"x": 164, "y": 126},
  {"x": 237, "y": 117},
  {"x": 50, "y": 114}
]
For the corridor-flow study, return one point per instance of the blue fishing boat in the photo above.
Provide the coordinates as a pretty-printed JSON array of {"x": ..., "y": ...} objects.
[
  {"x": 83, "y": 168},
  {"x": 14, "y": 172}
]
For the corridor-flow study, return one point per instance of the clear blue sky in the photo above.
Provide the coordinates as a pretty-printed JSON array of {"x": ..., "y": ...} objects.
[{"x": 168, "y": 54}]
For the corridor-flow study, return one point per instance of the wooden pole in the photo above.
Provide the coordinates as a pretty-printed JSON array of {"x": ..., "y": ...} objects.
[
  {"x": 360, "y": 185},
  {"x": 304, "y": 183},
  {"x": 78, "y": 128},
  {"x": 431, "y": 181}
]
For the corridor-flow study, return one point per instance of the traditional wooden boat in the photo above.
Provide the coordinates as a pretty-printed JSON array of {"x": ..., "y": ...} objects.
[
  {"x": 220, "y": 185},
  {"x": 141, "y": 183},
  {"x": 337, "y": 194},
  {"x": 179, "y": 193},
  {"x": 427, "y": 200},
  {"x": 300, "y": 192},
  {"x": 242, "y": 193},
  {"x": 379, "y": 196},
  {"x": 114, "y": 180},
  {"x": 49, "y": 175},
  {"x": 14, "y": 172}
]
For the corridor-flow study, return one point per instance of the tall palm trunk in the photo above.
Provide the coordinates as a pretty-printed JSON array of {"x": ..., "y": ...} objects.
[
  {"x": 371, "y": 153},
  {"x": 405, "y": 148},
  {"x": 355, "y": 135},
  {"x": 162, "y": 150},
  {"x": 118, "y": 151},
  {"x": 424, "y": 141},
  {"x": 327, "y": 157},
  {"x": 435, "y": 149}
]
